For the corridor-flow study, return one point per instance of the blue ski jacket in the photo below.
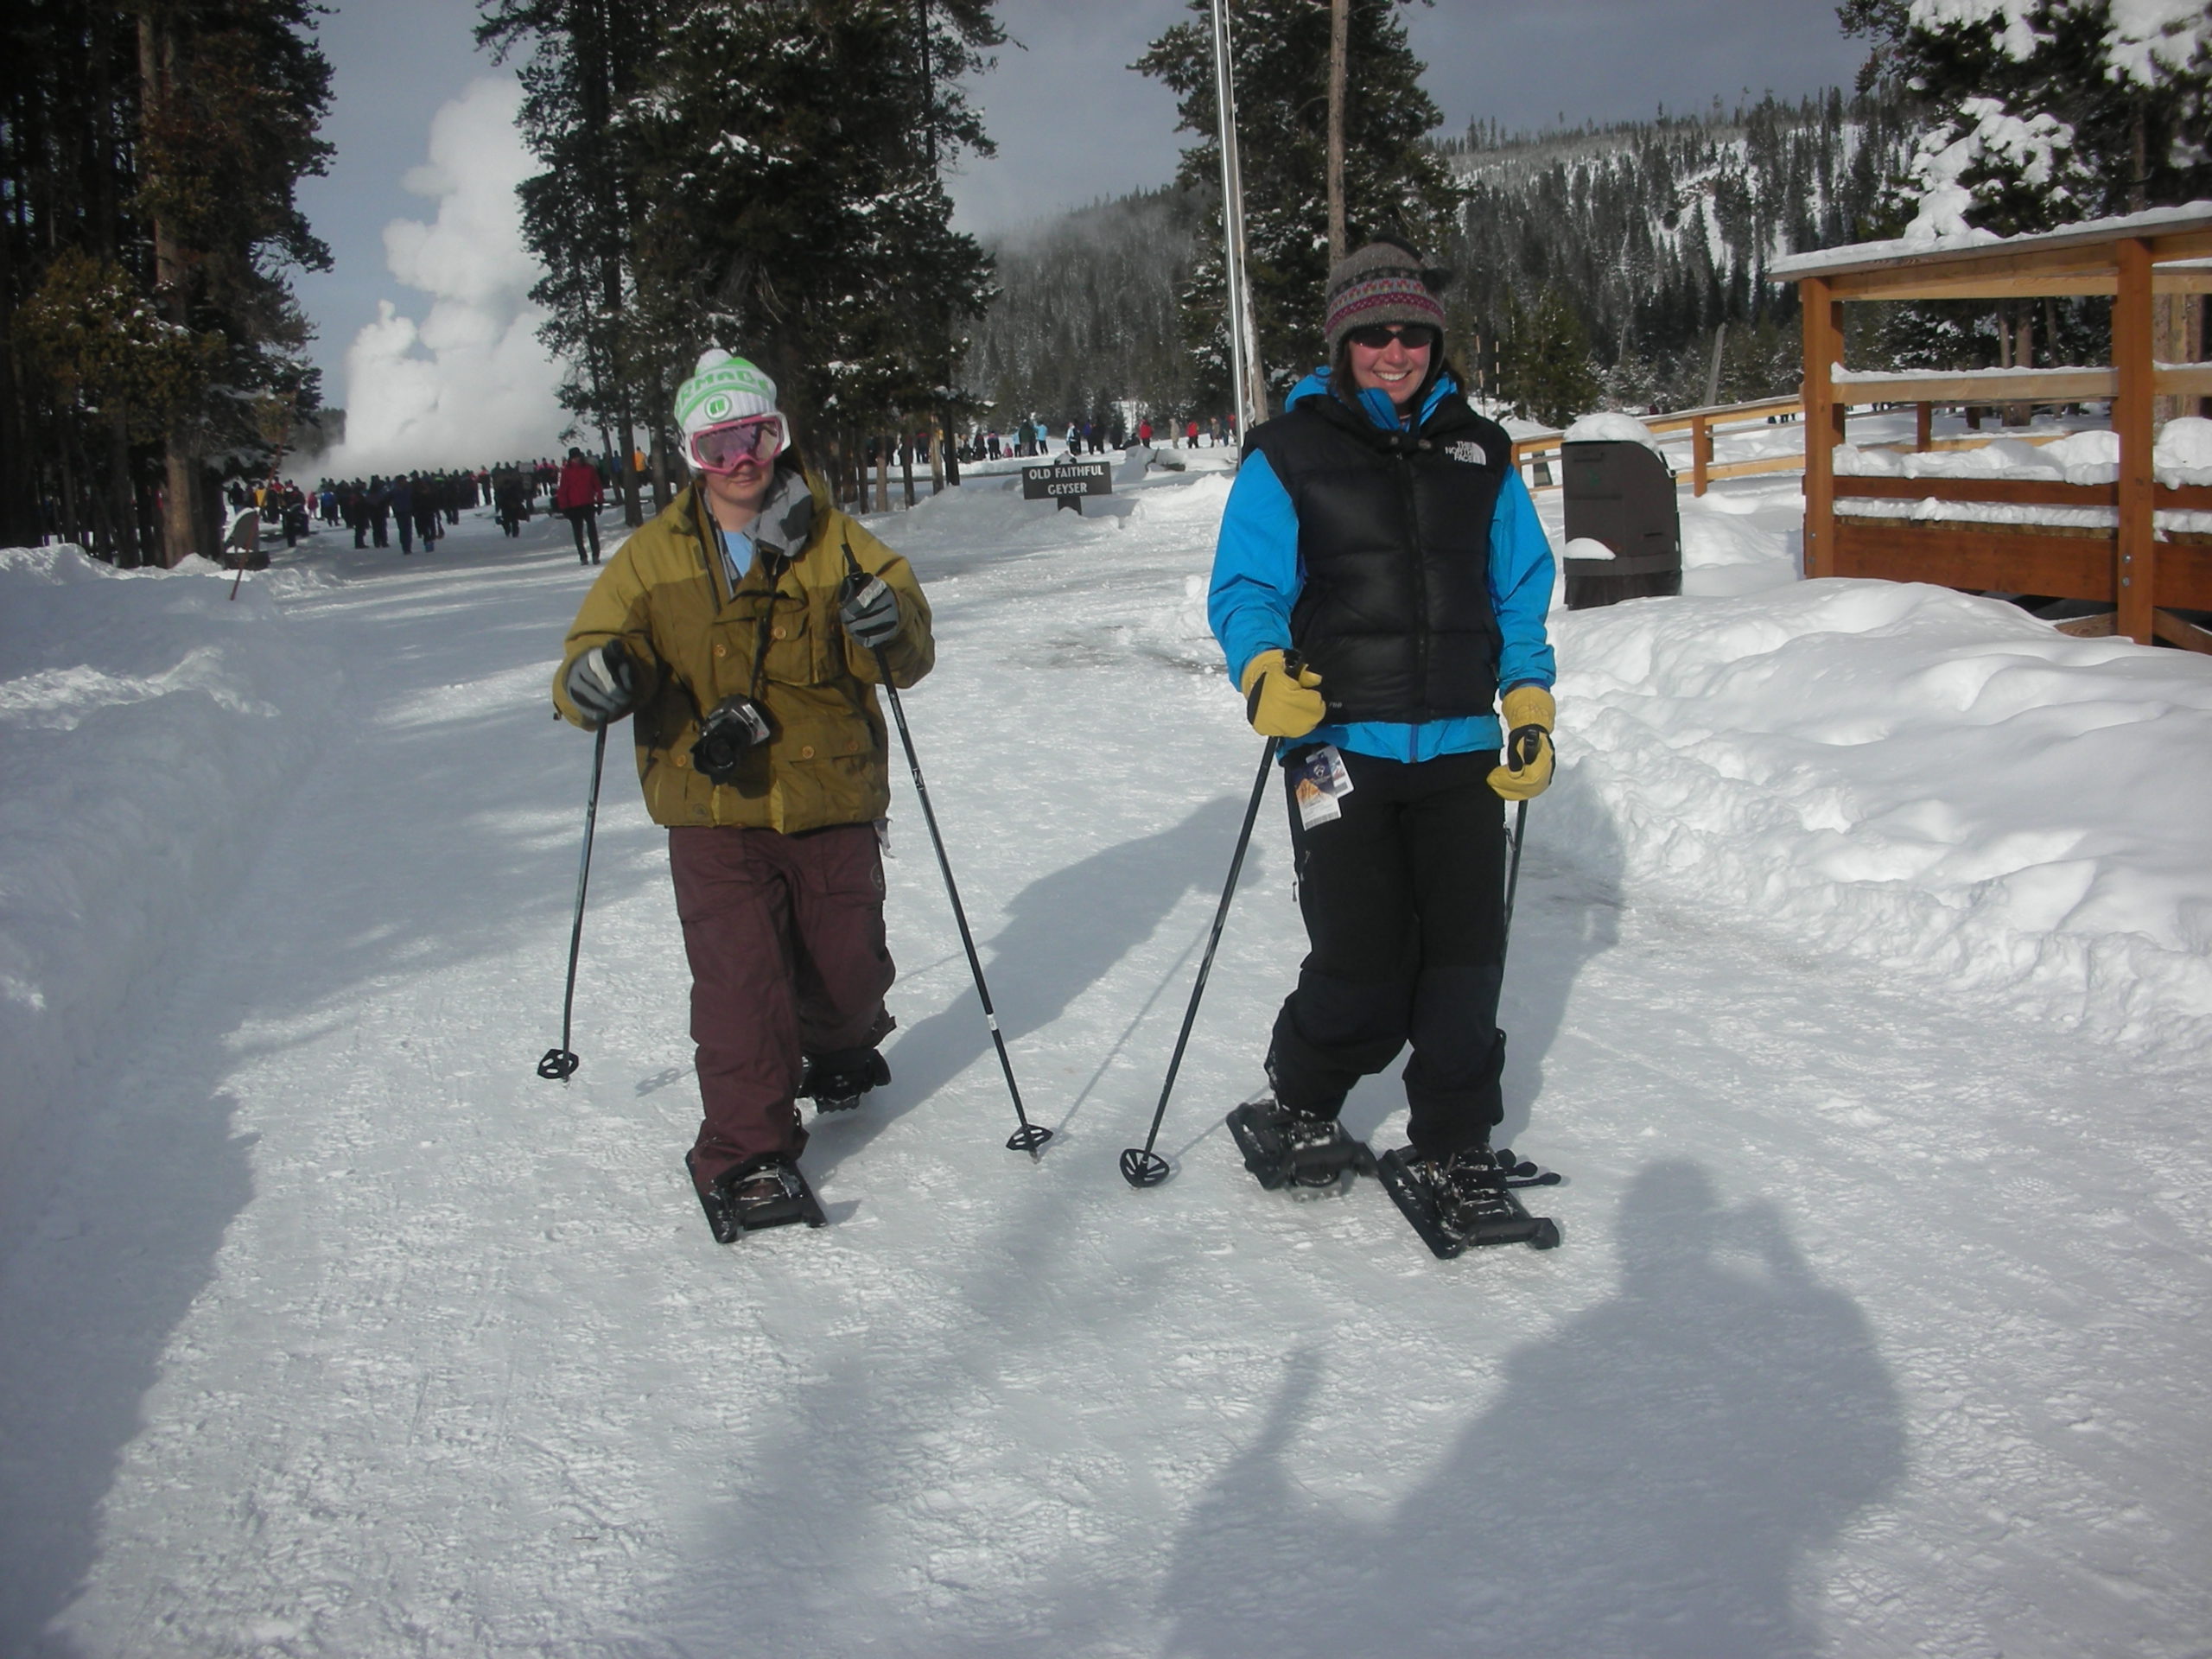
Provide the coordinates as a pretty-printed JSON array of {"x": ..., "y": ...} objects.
[{"x": 1257, "y": 578}]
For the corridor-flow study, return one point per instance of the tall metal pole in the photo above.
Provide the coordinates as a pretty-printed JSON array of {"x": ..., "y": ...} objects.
[{"x": 1250, "y": 382}]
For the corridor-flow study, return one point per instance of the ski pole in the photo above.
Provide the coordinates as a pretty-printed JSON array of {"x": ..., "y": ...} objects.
[
  {"x": 1527, "y": 755},
  {"x": 1512, "y": 877},
  {"x": 1141, "y": 1165},
  {"x": 1030, "y": 1137},
  {"x": 560, "y": 1063}
]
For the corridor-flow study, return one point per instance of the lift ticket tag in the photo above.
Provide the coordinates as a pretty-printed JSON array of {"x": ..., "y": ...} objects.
[{"x": 1317, "y": 782}]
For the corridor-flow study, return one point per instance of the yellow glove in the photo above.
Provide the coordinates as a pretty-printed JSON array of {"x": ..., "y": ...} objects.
[
  {"x": 1527, "y": 772},
  {"x": 1279, "y": 701}
]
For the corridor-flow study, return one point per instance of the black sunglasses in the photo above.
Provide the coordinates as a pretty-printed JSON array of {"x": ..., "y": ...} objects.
[{"x": 1417, "y": 336}]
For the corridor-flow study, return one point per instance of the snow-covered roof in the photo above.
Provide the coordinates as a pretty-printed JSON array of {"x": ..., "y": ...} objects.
[{"x": 1866, "y": 255}]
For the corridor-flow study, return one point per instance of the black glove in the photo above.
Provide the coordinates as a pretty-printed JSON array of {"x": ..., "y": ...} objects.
[
  {"x": 602, "y": 684},
  {"x": 869, "y": 611}
]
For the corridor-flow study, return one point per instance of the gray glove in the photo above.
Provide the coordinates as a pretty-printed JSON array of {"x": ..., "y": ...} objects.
[
  {"x": 602, "y": 684},
  {"x": 869, "y": 611}
]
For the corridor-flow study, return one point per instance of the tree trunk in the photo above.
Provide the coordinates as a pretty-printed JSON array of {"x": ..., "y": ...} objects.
[
  {"x": 906, "y": 464},
  {"x": 2140, "y": 149},
  {"x": 633, "y": 513},
  {"x": 156, "y": 54},
  {"x": 2169, "y": 344},
  {"x": 2015, "y": 329},
  {"x": 67, "y": 523},
  {"x": 663, "y": 491},
  {"x": 123, "y": 507},
  {"x": 1340, "y": 54}
]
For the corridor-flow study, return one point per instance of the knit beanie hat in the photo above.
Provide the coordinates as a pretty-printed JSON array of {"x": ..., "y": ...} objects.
[
  {"x": 1383, "y": 281},
  {"x": 723, "y": 389}
]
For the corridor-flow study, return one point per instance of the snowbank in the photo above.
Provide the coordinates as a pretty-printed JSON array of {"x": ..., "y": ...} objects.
[
  {"x": 1936, "y": 782},
  {"x": 2182, "y": 454},
  {"x": 1608, "y": 427},
  {"x": 147, "y": 723}
]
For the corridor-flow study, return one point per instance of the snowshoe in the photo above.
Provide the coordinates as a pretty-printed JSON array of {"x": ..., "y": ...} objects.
[
  {"x": 1467, "y": 1198},
  {"x": 835, "y": 1082},
  {"x": 765, "y": 1192},
  {"x": 1286, "y": 1148}
]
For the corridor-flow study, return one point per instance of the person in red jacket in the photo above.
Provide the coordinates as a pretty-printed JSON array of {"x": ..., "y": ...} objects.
[{"x": 580, "y": 496}]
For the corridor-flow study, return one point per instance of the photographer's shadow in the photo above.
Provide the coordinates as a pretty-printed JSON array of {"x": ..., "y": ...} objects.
[{"x": 1650, "y": 1482}]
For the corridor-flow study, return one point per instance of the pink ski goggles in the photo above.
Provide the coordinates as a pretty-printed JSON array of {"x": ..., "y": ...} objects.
[{"x": 758, "y": 438}]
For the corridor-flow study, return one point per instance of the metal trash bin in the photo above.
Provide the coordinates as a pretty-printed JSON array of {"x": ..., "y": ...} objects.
[{"x": 1622, "y": 495}]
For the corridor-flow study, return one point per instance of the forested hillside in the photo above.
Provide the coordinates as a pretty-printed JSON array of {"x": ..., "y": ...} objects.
[
  {"x": 1088, "y": 311},
  {"x": 1620, "y": 252},
  {"x": 1593, "y": 265}
]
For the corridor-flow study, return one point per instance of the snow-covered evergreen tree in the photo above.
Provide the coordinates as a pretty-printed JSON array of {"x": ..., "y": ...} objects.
[
  {"x": 2036, "y": 112},
  {"x": 1395, "y": 183},
  {"x": 776, "y": 192}
]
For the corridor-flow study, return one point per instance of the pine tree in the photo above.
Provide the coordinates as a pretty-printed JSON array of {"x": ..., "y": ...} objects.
[
  {"x": 1089, "y": 311},
  {"x": 150, "y": 153},
  {"x": 1395, "y": 183},
  {"x": 1655, "y": 234},
  {"x": 1544, "y": 369},
  {"x": 792, "y": 153},
  {"x": 773, "y": 171},
  {"x": 231, "y": 93},
  {"x": 580, "y": 216},
  {"x": 2034, "y": 112}
]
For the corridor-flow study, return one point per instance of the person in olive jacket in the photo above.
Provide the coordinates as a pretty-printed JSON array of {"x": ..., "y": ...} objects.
[{"x": 745, "y": 630}]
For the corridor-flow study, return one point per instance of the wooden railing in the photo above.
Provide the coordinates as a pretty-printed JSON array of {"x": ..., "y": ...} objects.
[
  {"x": 1701, "y": 423},
  {"x": 2060, "y": 561}
]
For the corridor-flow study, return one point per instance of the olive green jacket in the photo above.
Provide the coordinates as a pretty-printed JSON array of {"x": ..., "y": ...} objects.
[{"x": 693, "y": 640}]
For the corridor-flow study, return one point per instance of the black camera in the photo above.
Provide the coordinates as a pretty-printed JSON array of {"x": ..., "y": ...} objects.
[{"x": 728, "y": 737}]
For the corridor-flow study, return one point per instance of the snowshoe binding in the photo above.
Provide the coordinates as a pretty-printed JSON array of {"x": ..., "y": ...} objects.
[
  {"x": 835, "y": 1082},
  {"x": 763, "y": 1192},
  {"x": 1467, "y": 1198},
  {"x": 1286, "y": 1148}
]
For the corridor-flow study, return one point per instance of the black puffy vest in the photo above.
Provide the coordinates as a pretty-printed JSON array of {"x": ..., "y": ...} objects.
[{"x": 1394, "y": 539}]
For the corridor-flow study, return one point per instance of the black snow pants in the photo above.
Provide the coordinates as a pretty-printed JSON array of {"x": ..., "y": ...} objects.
[
  {"x": 1404, "y": 901},
  {"x": 579, "y": 520}
]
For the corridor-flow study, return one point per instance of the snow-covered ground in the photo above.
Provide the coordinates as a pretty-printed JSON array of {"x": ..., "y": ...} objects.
[{"x": 1858, "y": 985}]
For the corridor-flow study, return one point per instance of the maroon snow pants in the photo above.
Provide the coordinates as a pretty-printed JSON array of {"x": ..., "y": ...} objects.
[{"x": 784, "y": 934}]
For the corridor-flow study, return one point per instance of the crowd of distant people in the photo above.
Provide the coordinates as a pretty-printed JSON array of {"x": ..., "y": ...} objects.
[
  {"x": 420, "y": 506},
  {"x": 1033, "y": 438}
]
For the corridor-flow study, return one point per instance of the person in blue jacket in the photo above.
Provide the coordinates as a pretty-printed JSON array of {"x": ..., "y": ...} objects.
[{"x": 1380, "y": 579}]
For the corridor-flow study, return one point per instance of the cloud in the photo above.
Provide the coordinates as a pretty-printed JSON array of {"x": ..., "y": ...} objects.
[{"x": 470, "y": 384}]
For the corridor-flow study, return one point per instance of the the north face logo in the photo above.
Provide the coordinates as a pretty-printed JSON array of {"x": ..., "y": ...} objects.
[{"x": 1469, "y": 452}]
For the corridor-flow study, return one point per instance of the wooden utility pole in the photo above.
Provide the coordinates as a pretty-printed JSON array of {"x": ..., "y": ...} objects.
[{"x": 1339, "y": 46}]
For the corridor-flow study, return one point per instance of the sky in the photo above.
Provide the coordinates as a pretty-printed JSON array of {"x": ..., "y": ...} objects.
[{"x": 453, "y": 361}]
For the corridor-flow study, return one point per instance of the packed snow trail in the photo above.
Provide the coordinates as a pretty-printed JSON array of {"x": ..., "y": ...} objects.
[{"x": 1876, "y": 1329}]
